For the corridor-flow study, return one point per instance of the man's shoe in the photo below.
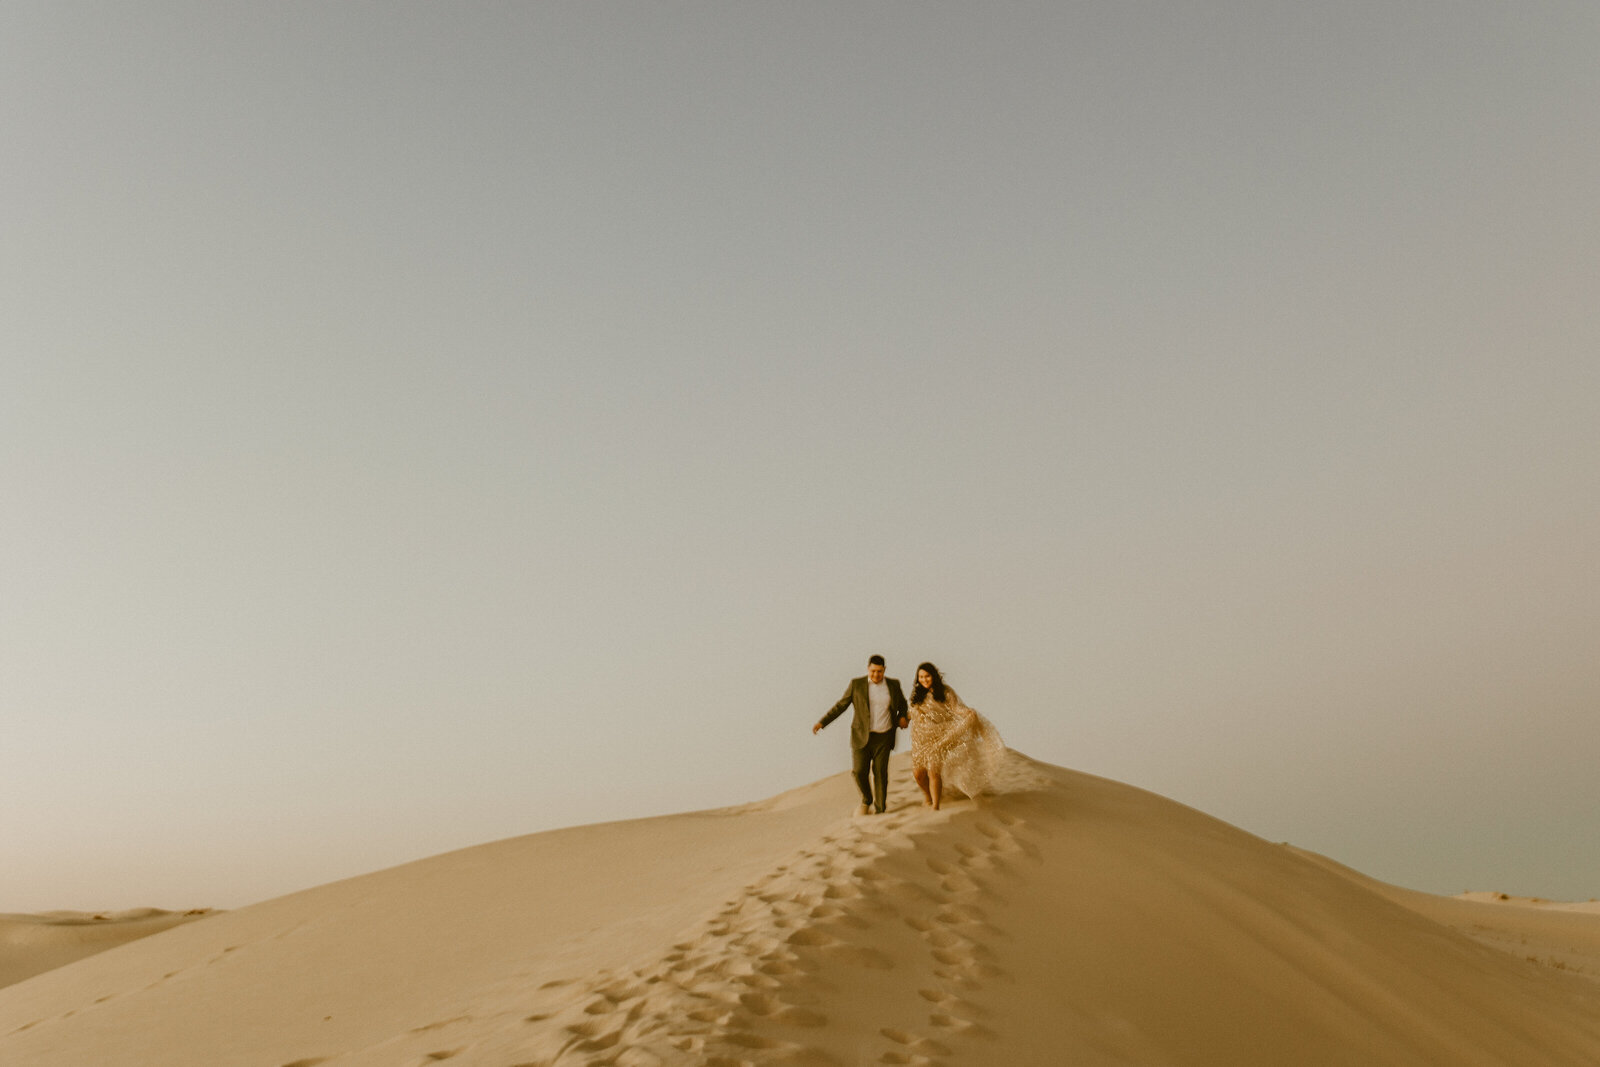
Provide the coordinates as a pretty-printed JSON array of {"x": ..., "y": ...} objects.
[{"x": 862, "y": 809}]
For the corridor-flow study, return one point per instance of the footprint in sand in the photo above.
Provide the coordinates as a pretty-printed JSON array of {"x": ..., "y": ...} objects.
[
  {"x": 959, "y": 883},
  {"x": 995, "y": 861},
  {"x": 927, "y": 1046},
  {"x": 777, "y": 968},
  {"x": 591, "y": 1039},
  {"x": 957, "y": 976},
  {"x": 810, "y": 937},
  {"x": 955, "y": 914},
  {"x": 756, "y": 943},
  {"x": 633, "y": 1057},
  {"x": 759, "y": 1003},
  {"x": 621, "y": 992},
  {"x": 959, "y": 1027}
]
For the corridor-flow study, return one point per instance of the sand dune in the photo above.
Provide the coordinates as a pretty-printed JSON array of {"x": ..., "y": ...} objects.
[
  {"x": 1565, "y": 936},
  {"x": 1067, "y": 919},
  {"x": 33, "y": 944}
]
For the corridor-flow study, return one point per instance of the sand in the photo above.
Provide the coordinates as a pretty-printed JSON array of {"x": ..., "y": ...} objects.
[
  {"x": 1066, "y": 919},
  {"x": 33, "y": 944}
]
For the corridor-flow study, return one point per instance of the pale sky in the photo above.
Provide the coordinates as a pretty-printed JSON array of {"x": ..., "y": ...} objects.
[{"x": 422, "y": 424}]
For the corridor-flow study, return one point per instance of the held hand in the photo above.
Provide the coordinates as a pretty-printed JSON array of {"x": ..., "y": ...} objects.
[
  {"x": 816, "y": 727},
  {"x": 904, "y": 722}
]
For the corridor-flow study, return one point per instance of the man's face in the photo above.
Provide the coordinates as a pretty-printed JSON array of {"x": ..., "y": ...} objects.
[{"x": 874, "y": 673}]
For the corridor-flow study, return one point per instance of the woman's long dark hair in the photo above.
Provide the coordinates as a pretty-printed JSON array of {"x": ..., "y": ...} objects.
[{"x": 919, "y": 694}]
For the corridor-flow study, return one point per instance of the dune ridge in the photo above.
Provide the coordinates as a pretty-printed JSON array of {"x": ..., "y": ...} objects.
[{"x": 1065, "y": 919}]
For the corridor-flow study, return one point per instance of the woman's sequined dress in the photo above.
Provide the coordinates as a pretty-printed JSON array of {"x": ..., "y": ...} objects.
[{"x": 951, "y": 738}]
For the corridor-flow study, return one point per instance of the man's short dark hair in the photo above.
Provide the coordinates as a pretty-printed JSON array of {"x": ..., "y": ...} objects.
[{"x": 875, "y": 661}]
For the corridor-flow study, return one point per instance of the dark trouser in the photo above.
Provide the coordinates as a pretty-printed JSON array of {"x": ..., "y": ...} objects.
[{"x": 874, "y": 758}]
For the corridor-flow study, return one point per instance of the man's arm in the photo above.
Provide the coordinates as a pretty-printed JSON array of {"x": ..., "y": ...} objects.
[
  {"x": 837, "y": 709},
  {"x": 898, "y": 707}
]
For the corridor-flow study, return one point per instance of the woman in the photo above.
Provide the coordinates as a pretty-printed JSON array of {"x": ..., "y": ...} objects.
[{"x": 949, "y": 741}]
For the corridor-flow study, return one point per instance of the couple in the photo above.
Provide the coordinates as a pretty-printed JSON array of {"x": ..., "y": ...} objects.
[{"x": 949, "y": 741}]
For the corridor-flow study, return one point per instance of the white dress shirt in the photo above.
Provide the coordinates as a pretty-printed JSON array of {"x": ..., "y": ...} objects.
[{"x": 878, "y": 701}]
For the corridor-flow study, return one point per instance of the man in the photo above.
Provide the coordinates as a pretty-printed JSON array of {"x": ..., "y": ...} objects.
[{"x": 880, "y": 707}]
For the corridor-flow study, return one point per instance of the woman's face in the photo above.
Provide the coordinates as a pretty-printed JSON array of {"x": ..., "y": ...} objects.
[{"x": 924, "y": 679}]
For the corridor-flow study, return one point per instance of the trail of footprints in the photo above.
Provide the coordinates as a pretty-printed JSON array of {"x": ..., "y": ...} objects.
[
  {"x": 753, "y": 983},
  {"x": 748, "y": 987},
  {"x": 220, "y": 957}
]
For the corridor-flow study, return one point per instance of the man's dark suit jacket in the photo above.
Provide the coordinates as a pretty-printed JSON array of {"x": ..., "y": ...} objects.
[{"x": 856, "y": 694}]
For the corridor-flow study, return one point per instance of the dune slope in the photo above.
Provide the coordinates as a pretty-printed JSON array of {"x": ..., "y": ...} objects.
[
  {"x": 1067, "y": 919},
  {"x": 33, "y": 944}
]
